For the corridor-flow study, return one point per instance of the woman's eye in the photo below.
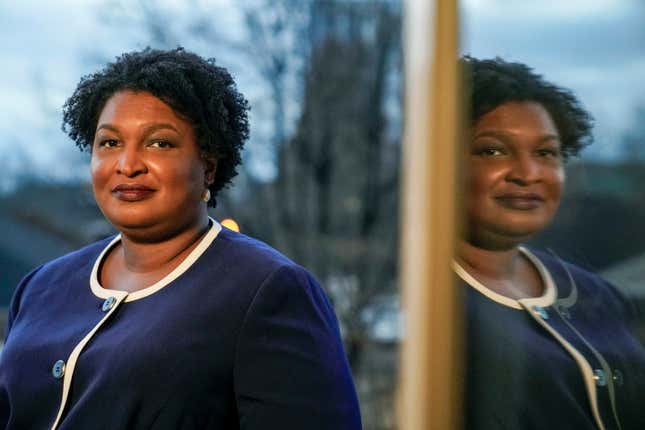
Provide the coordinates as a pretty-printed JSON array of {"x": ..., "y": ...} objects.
[
  {"x": 160, "y": 144},
  {"x": 108, "y": 143},
  {"x": 490, "y": 152},
  {"x": 553, "y": 153}
]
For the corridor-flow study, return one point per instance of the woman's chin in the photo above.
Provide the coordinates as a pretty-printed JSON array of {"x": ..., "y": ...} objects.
[
  {"x": 152, "y": 225},
  {"x": 501, "y": 239},
  {"x": 132, "y": 220}
]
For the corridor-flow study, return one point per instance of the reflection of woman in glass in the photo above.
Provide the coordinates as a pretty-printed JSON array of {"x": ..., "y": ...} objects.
[
  {"x": 176, "y": 322},
  {"x": 548, "y": 345}
]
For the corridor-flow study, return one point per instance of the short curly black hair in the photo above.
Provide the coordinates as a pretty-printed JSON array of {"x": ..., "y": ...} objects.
[
  {"x": 197, "y": 89},
  {"x": 493, "y": 82}
]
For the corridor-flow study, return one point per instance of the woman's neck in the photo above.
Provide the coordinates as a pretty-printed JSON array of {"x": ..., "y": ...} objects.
[
  {"x": 495, "y": 264},
  {"x": 144, "y": 256},
  {"x": 506, "y": 271}
]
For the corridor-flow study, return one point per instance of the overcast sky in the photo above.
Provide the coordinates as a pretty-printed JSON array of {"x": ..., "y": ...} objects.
[
  {"x": 597, "y": 48},
  {"x": 47, "y": 47}
]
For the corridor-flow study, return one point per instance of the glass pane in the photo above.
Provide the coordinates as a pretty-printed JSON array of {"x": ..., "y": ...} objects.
[{"x": 595, "y": 51}]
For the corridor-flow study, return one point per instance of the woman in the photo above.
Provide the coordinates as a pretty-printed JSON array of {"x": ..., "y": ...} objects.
[
  {"x": 176, "y": 322},
  {"x": 548, "y": 343}
]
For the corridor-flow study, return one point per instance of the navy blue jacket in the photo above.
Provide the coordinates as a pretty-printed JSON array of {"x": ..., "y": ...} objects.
[{"x": 237, "y": 337}]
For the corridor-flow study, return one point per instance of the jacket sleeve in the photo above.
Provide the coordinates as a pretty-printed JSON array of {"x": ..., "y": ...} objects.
[
  {"x": 291, "y": 371},
  {"x": 14, "y": 305}
]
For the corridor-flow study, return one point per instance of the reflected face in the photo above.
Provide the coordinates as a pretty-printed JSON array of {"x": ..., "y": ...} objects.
[
  {"x": 516, "y": 175},
  {"x": 146, "y": 168}
]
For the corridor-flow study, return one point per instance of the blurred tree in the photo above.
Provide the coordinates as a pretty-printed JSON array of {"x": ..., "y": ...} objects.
[
  {"x": 333, "y": 204},
  {"x": 338, "y": 175}
]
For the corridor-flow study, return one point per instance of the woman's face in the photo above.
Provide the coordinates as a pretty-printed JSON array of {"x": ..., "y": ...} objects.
[
  {"x": 147, "y": 171},
  {"x": 516, "y": 175}
]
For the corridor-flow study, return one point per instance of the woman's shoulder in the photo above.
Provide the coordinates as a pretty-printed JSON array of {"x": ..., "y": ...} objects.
[
  {"x": 558, "y": 266},
  {"x": 68, "y": 269},
  {"x": 252, "y": 264},
  {"x": 76, "y": 260},
  {"x": 239, "y": 247},
  {"x": 568, "y": 276}
]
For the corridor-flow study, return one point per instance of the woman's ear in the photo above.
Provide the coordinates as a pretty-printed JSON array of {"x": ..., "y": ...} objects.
[{"x": 210, "y": 167}]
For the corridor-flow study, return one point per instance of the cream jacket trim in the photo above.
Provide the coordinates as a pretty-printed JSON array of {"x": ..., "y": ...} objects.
[
  {"x": 583, "y": 364},
  {"x": 546, "y": 299},
  {"x": 70, "y": 363},
  {"x": 104, "y": 293},
  {"x": 569, "y": 302}
]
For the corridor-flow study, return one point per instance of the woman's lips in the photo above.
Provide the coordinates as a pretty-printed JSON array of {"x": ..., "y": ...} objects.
[
  {"x": 522, "y": 202},
  {"x": 132, "y": 193}
]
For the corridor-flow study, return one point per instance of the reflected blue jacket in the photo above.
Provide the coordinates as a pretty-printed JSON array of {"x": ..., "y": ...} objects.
[{"x": 565, "y": 360}]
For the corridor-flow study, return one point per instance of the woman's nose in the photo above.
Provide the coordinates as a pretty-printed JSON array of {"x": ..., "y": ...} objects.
[
  {"x": 524, "y": 170},
  {"x": 130, "y": 162}
]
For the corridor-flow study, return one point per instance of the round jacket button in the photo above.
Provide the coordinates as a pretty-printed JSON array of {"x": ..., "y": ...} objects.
[
  {"x": 541, "y": 312},
  {"x": 59, "y": 369},
  {"x": 600, "y": 378},
  {"x": 108, "y": 303}
]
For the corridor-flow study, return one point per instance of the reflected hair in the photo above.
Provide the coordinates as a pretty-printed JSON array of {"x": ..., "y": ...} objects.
[
  {"x": 196, "y": 88},
  {"x": 493, "y": 82}
]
